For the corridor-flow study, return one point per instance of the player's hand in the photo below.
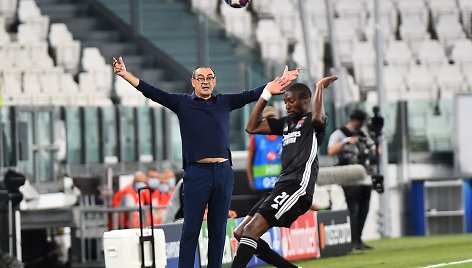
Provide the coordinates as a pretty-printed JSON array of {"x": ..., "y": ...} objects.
[
  {"x": 325, "y": 82},
  {"x": 291, "y": 75},
  {"x": 276, "y": 86},
  {"x": 119, "y": 67}
]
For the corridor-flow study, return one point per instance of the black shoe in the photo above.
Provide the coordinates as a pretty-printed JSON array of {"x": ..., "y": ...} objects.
[{"x": 366, "y": 247}]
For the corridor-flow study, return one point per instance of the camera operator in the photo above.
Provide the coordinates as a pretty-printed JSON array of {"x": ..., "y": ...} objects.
[{"x": 353, "y": 145}]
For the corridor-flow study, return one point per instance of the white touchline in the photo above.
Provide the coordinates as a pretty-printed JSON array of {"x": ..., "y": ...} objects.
[{"x": 447, "y": 264}]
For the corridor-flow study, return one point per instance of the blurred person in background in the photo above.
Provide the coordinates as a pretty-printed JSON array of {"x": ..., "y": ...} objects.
[
  {"x": 128, "y": 197},
  {"x": 204, "y": 120},
  {"x": 353, "y": 145},
  {"x": 263, "y": 159},
  {"x": 163, "y": 185}
]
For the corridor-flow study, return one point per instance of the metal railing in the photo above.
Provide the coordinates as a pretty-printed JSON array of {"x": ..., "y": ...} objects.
[{"x": 93, "y": 221}]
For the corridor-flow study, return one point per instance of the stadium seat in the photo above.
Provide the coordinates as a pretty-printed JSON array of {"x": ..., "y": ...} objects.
[
  {"x": 50, "y": 80},
  {"x": 346, "y": 37},
  {"x": 440, "y": 8},
  {"x": 388, "y": 34},
  {"x": 450, "y": 80},
  {"x": 128, "y": 94},
  {"x": 65, "y": 49},
  {"x": 388, "y": 17},
  {"x": 4, "y": 36},
  {"x": 59, "y": 33},
  {"x": 91, "y": 58},
  {"x": 38, "y": 55},
  {"x": 431, "y": 54},
  {"x": 398, "y": 54},
  {"x": 299, "y": 56},
  {"x": 461, "y": 54},
  {"x": 413, "y": 31},
  {"x": 8, "y": 10},
  {"x": 394, "y": 81},
  {"x": 287, "y": 18},
  {"x": 238, "y": 22},
  {"x": 413, "y": 10},
  {"x": 465, "y": 6},
  {"x": 27, "y": 34},
  {"x": 274, "y": 46},
  {"x": 449, "y": 29},
  {"x": 263, "y": 8},
  {"x": 27, "y": 9},
  {"x": 11, "y": 81},
  {"x": 363, "y": 60},
  {"x": 421, "y": 84},
  {"x": 316, "y": 12},
  {"x": 353, "y": 11}
]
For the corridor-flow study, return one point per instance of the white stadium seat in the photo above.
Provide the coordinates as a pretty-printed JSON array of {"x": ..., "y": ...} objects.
[
  {"x": 398, "y": 54},
  {"x": 274, "y": 46},
  {"x": 441, "y": 8},
  {"x": 287, "y": 17},
  {"x": 353, "y": 11},
  {"x": 450, "y": 80},
  {"x": 413, "y": 31},
  {"x": 449, "y": 29},
  {"x": 208, "y": 7},
  {"x": 363, "y": 58},
  {"x": 461, "y": 54},
  {"x": 421, "y": 83},
  {"x": 238, "y": 22},
  {"x": 431, "y": 54}
]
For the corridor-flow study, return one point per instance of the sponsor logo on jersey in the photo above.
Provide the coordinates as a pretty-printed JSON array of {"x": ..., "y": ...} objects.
[
  {"x": 291, "y": 137},
  {"x": 300, "y": 123}
]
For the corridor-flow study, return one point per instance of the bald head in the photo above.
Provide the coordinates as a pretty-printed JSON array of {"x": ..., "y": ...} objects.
[{"x": 140, "y": 177}]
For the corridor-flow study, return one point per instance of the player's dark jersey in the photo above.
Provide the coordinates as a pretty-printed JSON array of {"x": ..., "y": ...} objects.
[{"x": 299, "y": 149}]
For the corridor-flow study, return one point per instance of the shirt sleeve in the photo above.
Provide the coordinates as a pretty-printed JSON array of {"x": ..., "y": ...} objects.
[
  {"x": 166, "y": 99},
  {"x": 251, "y": 145},
  {"x": 238, "y": 100},
  {"x": 276, "y": 125},
  {"x": 336, "y": 137}
]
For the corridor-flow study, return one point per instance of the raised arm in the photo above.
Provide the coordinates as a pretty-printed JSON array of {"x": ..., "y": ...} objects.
[
  {"x": 255, "y": 124},
  {"x": 238, "y": 100},
  {"x": 166, "y": 99},
  {"x": 319, "y": 116}
]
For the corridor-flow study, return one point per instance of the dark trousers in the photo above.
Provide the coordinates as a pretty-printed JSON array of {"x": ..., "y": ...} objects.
[
  {"x": 204, "y": 184},
  {"x": 358, "y": 201}
]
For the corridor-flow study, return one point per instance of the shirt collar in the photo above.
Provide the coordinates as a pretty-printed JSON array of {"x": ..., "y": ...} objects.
[{"x": 195, "y": 97}]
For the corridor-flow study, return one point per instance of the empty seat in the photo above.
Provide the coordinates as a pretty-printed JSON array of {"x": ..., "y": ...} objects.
[
  {"x": 238, "y": 22},
  {"x": 346, "y": 37},
  {"x": 8, "y": 10},
  {"x": 363, "y": 58},
  {"x": 413, "y": 31},
  {"x": 413, "y": 9},
  {"x": 27, "y": 34},
  {"x": 50, "y": 80},
  {"x": 449, "y": 29},
  {"x": 315, "y": 10},
  {"x": 59, "y": 33},
  {"x": 128, "y": 94},
  {"x": 92, "y": 58},
  {"x": 388, "y": 17},
  {"x": 27, "y": 9},
  {"x": 394, "y": 80},
  {"x": 263, "y": 8},
  {"x": 273, "y": 45},
  {"x": 398, "y": 54},
  {"x": 353, "y": 11},
  {"x": 67, "y": 55},
  {"x": 441, "y": 8},
  {"x": 287, "y": 18},
  {"x": 421, "y": 83},
  {"x": 300, "y": 58},
  {"x": 11, "y": 81},
  {"x": 465, "y": 6},
  {"x": 462, "y": 54},
  {"x": 431, "y": 54},
  {"x": 450, "y": 80}
]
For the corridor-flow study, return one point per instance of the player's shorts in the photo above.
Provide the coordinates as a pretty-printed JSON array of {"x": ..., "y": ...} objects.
[{"x": 284, "y": 204}]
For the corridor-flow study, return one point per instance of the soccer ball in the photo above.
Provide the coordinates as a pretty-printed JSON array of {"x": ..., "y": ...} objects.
[{"x": 237, "y": 3}]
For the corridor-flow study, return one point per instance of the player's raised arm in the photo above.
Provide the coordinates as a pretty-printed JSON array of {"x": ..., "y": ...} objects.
[
  {"x": 255, "y": 123},
  {"x": 318, "y": 116}
]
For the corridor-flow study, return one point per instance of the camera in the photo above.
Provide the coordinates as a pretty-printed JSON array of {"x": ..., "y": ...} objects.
[{"x": 375, "y": 125}]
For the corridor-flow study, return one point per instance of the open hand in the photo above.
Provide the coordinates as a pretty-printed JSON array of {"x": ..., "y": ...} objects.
[
  {"x": 119, "y": 67},
  {"x": 325, "y": 82},
  {"x": 291, "y": 75},
  {"x": 276, "y": 86}
]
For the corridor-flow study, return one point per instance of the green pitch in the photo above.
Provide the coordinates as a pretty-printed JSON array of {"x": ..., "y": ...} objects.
[{"x": 404, "y": 252}]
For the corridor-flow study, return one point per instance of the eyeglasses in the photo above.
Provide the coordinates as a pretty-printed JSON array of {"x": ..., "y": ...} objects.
[{"x": 209, "y": 79}]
